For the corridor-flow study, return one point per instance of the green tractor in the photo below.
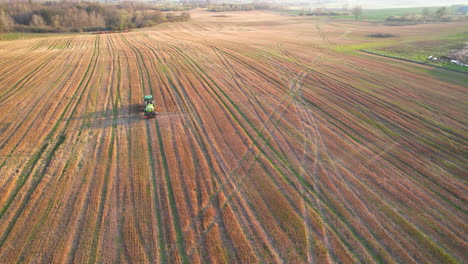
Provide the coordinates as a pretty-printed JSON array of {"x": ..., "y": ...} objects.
[{"x": 149, "y": 107}]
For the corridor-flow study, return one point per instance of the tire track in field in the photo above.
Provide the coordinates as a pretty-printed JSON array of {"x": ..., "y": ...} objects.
[
  {"x": 306, "y": 119},
  {"x": 169, "y": 184},
  {"x": 375, "y": 117},
  {"x": 49, "y": 136},
  {"x": 170, "y": 83},
  {"x": 26, "y": 55},
  {"x": 286, "y": 83},
  {"x": 244, "y": 87},
  {"x": 380, "y": 101},
  {"x": 406, "y": 115},
  {"x": 23, "y": 81},
  {"x": 199, "y": 136},
  {"x": 62, "y": 186},
  {"x": 21, "y": 65},
  {"x": 112, "y": 229},
  {"x": 14, "y": 58},
  {"x": 309, "y": 119},
  {"x": 295, "y": 173},
  {"x": 53, "y": 87},
  {"x": 120, "y": 180},
  {"x": 370, "y": 100},
  {"x": 110, "y": 156},
  {"x": 294, "y": 84},
  {"x": 45, "y": 189},
  {"x": 428, "y": 141},
  {"x": 126, "y": 252},
  {"x": 85, "y": 82},
  {"x": 213, "y": 199},
  {"x": 31, "y": 165},
  {"x": 89, "y": 205},
  {"x": 36, "y": 226},
  {"x": 342, "y": 179},
  {"x": 183, "y": 103},
  {"x": 88, "y": 235},
  {"x": 169, "y": 78},
  {"x": 154, "y": 52},
  {"x": 163, "y": 95},
  {"x": 241, "y": 84},
  {"x": 273, "y": 165},
  {"x": 122, "y": 249},
  {"x": 53, "y": 66},
  {"x": 145, "y": 86}
]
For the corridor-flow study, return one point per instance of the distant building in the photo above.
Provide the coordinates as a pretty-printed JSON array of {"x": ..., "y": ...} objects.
[{"x": 463, "y": 10}]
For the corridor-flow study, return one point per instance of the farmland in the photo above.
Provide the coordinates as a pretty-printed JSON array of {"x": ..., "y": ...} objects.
[{"x": 273, "y": 144}]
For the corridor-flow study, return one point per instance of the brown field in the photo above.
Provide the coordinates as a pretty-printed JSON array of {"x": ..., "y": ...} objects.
[{"x": 271, "y": 146}]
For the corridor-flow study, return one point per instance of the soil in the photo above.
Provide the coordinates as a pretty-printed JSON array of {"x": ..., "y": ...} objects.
[{"x": 270, "y": 146}]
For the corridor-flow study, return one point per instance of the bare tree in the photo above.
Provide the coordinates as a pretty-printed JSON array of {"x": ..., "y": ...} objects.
[
  {"x": 357, "y": 11},
  {"x": 441, "y": 12},
  {"x": 6, "y": 22},
  {"x": 63, "y": 16},
  {"x": 426, "y": 13},
  {"x": 37, "y": 21},
  {"x": 96, "y": 20}
]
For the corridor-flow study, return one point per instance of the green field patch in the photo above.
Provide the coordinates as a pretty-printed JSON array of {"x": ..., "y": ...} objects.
[
  {"x": 416, "y": 56},
  {"x": 420, "y": 50},
  {"x": 363, "y": 46},
  {"x": 416, "y": 50},
  {"x": 26, "y": 35}
]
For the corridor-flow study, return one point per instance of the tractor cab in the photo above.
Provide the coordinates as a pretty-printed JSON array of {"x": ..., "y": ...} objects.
[{"x": 148, "y": 99}]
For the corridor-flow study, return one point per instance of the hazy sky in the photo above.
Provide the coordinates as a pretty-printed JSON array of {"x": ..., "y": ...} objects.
[{"x": 389, "y": 3}]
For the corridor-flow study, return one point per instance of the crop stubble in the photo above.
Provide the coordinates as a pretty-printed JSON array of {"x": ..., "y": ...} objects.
[{"x": 265, "y": 150}]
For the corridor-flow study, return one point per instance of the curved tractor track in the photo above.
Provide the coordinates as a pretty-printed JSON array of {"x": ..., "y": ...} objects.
[{"x": 266, "y": 149}]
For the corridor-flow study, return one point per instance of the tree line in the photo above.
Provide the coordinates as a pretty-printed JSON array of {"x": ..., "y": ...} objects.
[
  {"x": 439, "y": 15},
  {"x": 238, "y": 7},
  {"x": 355, "y": 11},
  {"x": 82, "y": 16}
]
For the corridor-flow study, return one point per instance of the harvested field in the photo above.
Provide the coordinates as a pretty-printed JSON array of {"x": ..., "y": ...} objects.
[{"x": 270, "y": 147}]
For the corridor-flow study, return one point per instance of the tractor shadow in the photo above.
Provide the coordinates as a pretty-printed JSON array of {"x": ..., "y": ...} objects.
[{"x": 129, "y": 115}]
